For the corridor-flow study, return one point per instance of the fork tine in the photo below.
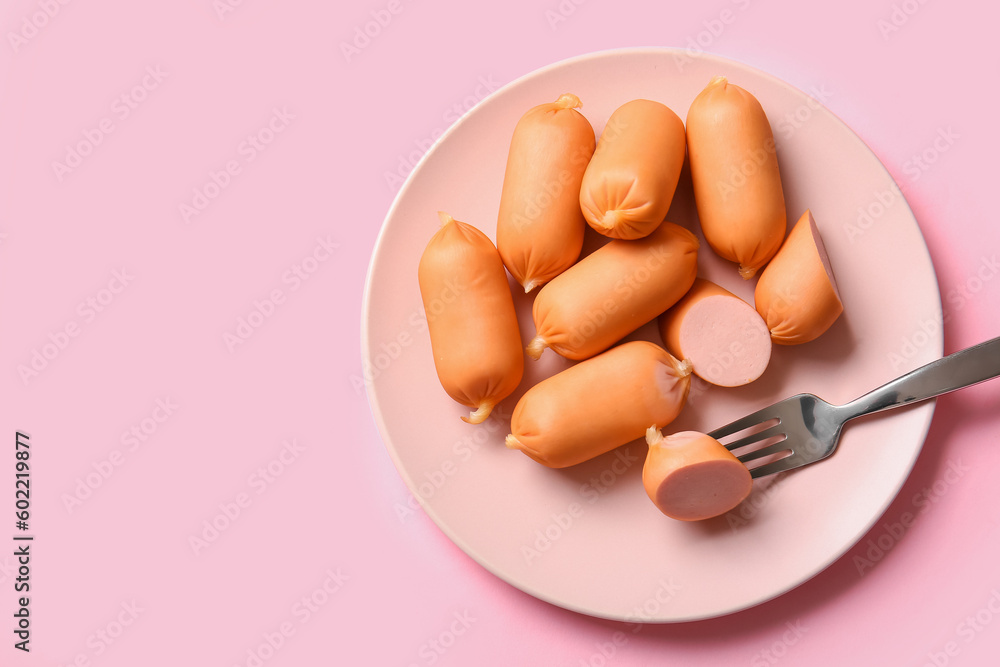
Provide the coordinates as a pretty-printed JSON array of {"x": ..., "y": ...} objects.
[
  {"x": 772, "y": 431},
  {"x": 762, "y": 415},
  {"x": 781, "y": 445}
]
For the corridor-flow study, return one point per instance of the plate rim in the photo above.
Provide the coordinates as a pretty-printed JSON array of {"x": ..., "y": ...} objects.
[{"x": 929, "y": 407}]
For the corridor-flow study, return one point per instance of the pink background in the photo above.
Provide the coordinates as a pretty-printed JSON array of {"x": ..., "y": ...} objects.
[{"x": 262, "y": 427}]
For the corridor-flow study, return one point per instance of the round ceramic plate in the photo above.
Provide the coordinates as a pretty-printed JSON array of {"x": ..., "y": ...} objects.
[{"x": 587, "y": 538}]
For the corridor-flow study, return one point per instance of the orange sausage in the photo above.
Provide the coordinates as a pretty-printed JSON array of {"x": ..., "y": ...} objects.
[
  {"x": 734, "y": 171},
  {"x": 631, "y": 179},
  {"x": 599, "y": 404},
  {"x": 470, "y": 317},
  {"x": 540, "y": 225},
  {"x": 797, "y": 294},
  {"x": 690, "y": 476},
  {"x": 613, "y": 291},
  {"x": 722, "y": 336}
]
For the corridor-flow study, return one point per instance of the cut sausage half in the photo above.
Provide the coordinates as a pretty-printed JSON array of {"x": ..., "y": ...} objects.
[
  {"x": 690, "y": 476},
  {"x": 724, "y": 338}
]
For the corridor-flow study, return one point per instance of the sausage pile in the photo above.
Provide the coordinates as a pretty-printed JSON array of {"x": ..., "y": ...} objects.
[{"x": 560, "y": 178}]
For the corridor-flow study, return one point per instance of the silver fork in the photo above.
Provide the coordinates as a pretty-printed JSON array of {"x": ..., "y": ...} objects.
[{"x": 809, "y": 427}]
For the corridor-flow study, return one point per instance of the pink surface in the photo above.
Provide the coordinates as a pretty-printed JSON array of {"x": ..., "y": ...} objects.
[{"x": 195, "y": 280}]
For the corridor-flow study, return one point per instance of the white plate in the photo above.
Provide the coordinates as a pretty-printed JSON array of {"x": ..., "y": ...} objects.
[{"x": 587, "y": 538}]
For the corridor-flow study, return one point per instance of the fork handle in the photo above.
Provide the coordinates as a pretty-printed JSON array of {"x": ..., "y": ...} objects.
[{"x": 961, "y": 369}]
